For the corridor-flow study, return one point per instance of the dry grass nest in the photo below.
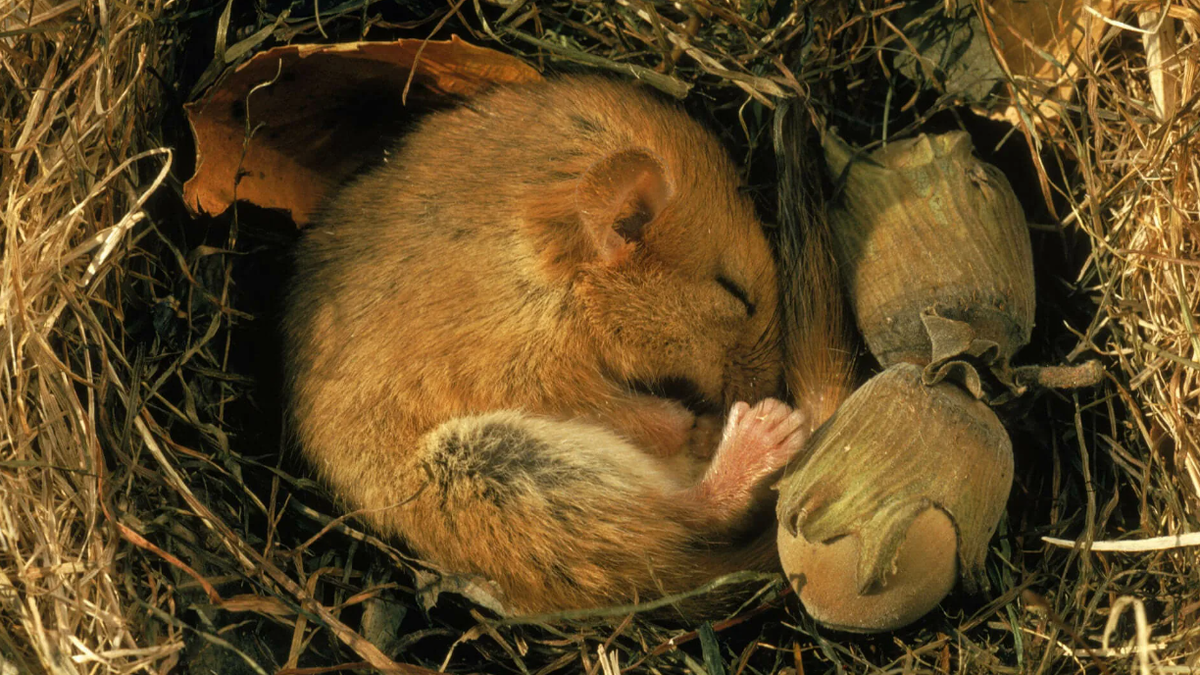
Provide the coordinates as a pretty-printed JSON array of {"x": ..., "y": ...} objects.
[{"x": 149, "y": 521}]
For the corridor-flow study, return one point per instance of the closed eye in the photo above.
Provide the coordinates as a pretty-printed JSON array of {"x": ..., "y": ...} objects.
[{"x": 739, "y": 293}]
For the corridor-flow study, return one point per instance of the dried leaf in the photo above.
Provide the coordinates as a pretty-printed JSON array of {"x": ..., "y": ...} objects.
[
  {"x": 284, "y": 128},
  {"x": 1036, "y": 45},
  {"x": 478, "y": 590},
  {"x": 249, "y": 602}
]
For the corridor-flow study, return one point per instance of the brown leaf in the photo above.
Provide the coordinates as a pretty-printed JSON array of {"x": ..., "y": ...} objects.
[
  {"x": 1041, "y": 46},
  {"x": 250, "y": 602},
  {"x": 293, "y": 122}
]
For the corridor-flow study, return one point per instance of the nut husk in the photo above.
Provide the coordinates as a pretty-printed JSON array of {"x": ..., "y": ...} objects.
[
  {"x": 894, "y": 450},
  {"x": 935, "y": 256},
  {"x": 924, "y": 572}
]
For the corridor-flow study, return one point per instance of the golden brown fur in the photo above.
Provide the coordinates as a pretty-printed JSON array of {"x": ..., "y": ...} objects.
[
  {"x": 491, "y": 340},
  {"x": 819, "y": 359}
]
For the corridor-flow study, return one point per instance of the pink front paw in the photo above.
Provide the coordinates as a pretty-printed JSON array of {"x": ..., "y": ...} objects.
[{"x": 755, "y": 443}]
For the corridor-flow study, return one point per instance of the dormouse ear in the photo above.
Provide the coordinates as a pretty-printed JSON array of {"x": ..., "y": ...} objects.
[{"x": 618, "y": 196}]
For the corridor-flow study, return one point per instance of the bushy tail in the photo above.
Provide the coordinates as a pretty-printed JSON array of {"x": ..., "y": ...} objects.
[
  {"x": 559, "y": 514},
  {"x": 819, "y": 352}
]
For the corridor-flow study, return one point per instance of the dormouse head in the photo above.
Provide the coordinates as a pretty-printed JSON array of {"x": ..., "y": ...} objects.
[{"x": 675, "y": 278}]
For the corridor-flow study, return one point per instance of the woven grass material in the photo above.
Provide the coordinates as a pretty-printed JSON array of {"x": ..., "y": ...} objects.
[
  {"x": 139, "y": 493},
  {"x": 1138, "y": 202},
  {"x": 77, "y": 167}
]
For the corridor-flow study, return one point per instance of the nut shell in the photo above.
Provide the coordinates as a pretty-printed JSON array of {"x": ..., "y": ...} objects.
[
  {"x": 934, "y": 252},
  {"x": 894, "y": 450},
  {"x": 924, "y": 572}
]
